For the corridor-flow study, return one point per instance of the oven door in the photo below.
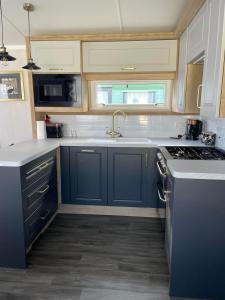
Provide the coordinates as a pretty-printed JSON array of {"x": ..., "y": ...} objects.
[{"x": 161, "y": 186}]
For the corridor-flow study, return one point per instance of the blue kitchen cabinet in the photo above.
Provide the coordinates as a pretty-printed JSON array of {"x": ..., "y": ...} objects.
[
  {"x": 109, "y": 176},
  {"x": 29, "y": 201},
  {"x": 132, "y": 177},
  {"x": 88, "y": 175}
]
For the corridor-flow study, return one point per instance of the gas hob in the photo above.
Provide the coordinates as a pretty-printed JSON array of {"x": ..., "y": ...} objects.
[{"x": 196, "y": 153}]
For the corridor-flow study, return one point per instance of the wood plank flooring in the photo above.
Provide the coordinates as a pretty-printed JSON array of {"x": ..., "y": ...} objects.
[{"x": 84, "y": 257}]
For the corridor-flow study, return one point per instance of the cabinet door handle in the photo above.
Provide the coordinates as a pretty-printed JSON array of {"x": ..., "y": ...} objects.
[
  {"x": 128, "y": 68},
  {"x": 88, "y": 151},
  {"x": 55, "y": 69},
  {"x": 146, "y": 160},
  {"x": 44, "y": 190},
  {"x": 198, "y": 95}
]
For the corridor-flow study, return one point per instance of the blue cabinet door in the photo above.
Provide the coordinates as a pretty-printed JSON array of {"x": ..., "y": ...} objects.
[
  {"x": 132, "y": 177},
  {"x": 88, "y": 175}
]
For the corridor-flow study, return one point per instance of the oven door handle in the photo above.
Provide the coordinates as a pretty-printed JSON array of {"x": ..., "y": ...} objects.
[
  {"x": 161, "y": 197},
  {"x": 163, "y": 174}
]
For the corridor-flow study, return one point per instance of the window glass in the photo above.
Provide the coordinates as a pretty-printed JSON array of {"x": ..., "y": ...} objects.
[{"x": 148, "y": 94}]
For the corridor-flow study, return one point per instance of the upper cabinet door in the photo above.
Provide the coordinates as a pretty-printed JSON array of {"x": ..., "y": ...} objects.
[
  {"x": 198, "y": 34},
  {"x": 182, "y": 72},
  {"x": 60, "y": 57},
  {"x": 131, "y": 56},
  {"x": 213, "y": 69}
]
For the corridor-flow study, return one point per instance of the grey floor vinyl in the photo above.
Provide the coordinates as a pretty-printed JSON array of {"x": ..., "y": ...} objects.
[{"x": 83, "y": 257}]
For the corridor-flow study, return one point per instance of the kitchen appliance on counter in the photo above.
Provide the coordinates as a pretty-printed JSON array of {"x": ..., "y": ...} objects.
[
  {"x": 54, "y": 130},
  {"x": 57, "y": 90},
  {"x": 208, "y": 138},
  {"x": 193, "y": 129},
  {"x": 196, "y": 153}
]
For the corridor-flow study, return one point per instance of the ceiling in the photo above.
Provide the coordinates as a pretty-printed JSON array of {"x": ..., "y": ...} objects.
[{"x": 90, "y": 16}]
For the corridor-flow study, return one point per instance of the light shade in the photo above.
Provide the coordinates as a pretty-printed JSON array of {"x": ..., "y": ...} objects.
[
  {"x": 31, "y": 65},
  {"x": 4, "y": 56}
]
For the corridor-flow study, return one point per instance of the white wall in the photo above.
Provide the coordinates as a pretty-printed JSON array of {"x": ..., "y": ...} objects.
[{"x": 15, "y": 116}]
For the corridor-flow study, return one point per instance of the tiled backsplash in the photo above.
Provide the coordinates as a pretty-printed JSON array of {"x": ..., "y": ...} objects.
[
  {"x": 132, "y": 126},
  {"x": 218, "y": 126}
]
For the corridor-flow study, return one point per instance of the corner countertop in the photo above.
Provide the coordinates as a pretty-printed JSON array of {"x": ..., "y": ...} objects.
[{"x": 22, "y": 153}]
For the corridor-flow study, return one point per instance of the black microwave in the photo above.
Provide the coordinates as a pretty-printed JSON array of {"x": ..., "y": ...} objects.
[{"x": 58, "y": 90}]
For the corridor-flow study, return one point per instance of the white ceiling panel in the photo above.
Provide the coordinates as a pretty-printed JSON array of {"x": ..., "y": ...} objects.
[
  {"x": 89, "y": 16},
  {"x": 150, "y": 15}
]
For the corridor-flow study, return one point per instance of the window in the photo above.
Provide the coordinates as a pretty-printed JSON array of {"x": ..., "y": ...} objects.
[{"x": 151, "y": 94}]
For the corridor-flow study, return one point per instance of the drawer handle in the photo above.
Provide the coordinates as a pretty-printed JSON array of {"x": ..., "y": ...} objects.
[
  {"x": 128, "y": 68},
  {"x": 47, "y": 187},
  {"x": 88, "y": 151},
  {"x": 55, "y": 69},
  {"x": 38, "y": 169},
  {"x": 160, "y": 197},
  {"x": 43, "y": 218},
  {"x": 163, "y": 174}
]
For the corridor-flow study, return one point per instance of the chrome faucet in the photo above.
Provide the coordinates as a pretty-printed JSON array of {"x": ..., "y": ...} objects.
[{"x": 113, "y": 132}]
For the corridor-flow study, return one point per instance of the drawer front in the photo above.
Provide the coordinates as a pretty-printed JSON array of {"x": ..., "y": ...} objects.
[
  {"x": 38, "y": 193},
  {"x": 38, "y": 168},
  {"x": 33, "y": 225},
  {"x": 40, "y": 217}
]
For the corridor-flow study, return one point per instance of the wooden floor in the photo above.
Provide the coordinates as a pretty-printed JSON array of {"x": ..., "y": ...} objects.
[{"x": 93, "y": 258}]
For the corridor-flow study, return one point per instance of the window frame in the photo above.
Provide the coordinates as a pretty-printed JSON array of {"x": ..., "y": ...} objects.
[{"x": 94, "y": 106}]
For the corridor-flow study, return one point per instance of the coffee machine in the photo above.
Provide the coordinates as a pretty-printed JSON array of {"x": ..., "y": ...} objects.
[{"x": 193, "y": 129}]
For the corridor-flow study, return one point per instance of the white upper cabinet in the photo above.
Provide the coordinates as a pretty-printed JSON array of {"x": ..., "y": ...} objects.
[
  {"x": 54, "y": 56},
  {"x": 182, "y": 73},
  {"x": 131, "y": 56},
  {"x": 213, "y": 68},
  {"x": 198, "y": 34}
]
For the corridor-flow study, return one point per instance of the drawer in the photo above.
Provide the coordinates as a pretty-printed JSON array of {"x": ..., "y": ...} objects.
[
  {"x": 33, "y": 225},
  {"x": 40, "y": 217},
  {"x": 38, "y": 168},
  {"x": 38, "y": 193}
]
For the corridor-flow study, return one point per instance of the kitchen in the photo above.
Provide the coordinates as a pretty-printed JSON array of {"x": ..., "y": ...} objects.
[{"x": 112, "y": 150}]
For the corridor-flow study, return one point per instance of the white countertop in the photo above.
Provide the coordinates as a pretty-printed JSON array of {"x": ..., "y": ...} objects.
[{"x": 22, "y": 153}]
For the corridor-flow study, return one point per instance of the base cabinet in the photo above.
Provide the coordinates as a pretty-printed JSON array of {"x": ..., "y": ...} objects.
[
  {"x": 109, "y": 176},
  {"x": 194, "y": 230},
  {"x": 131, "y": 177},
  {"x": 28, "y": 201},
  {"x": 88, "y": 175}
]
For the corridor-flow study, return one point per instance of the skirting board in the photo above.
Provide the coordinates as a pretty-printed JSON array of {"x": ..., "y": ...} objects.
[{"x": 108, "y": 210}]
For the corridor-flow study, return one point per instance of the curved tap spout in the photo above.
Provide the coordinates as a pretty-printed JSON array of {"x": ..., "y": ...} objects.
[{"x": 113, "y": 132}]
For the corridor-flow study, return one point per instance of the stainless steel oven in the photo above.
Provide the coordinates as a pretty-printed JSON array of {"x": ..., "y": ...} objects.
[{"x": 163, "y": 174}]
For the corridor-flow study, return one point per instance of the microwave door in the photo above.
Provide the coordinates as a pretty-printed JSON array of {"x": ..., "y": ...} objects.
[
  {"x": 71, "y": 91},
  {"x": 51, "y": 92}
]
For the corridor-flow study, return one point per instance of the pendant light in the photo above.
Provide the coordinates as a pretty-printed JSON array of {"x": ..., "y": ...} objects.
[
  {"x": 30, "y": 63},
  {"x": 4, "y": 56}
]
